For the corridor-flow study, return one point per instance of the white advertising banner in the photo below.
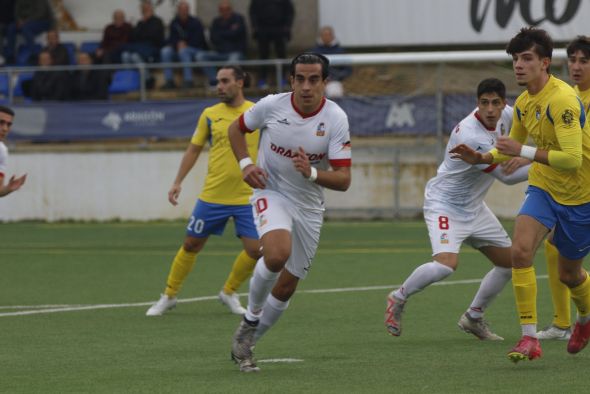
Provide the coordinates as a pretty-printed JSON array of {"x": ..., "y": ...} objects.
[{"x": 450, "y": 22}]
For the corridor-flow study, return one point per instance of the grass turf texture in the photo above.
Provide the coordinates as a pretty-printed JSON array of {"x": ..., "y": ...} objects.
[{"x": 339, "y": 335}]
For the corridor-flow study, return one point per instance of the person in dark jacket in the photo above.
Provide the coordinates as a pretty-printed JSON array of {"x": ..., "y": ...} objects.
[
  {"x": 115, "y": 35},
  {"x": 186, "y": 41},
  {"x": 59, "y": 53},
  {"x": 47, "y": 84},
  {"x": 229, "y": 35},
  {"x": 31, "y": 18},
  {"x": 89, "y": 84},
  {"x": 271, "y": 24},
  {"x": 146, "y": 39},
  {"x": 328, "y": 45}
]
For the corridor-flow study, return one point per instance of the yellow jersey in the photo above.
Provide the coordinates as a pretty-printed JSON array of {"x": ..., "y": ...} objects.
[
  {"x": 585, "y": 97},
  {"x": 224, "y": 183},
  {"x": 555, "y": 119}
]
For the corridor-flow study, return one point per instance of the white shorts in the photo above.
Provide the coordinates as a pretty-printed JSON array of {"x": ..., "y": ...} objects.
[
  {"x": 448, "y": 232},
  {"x": 272, "y": 211}
]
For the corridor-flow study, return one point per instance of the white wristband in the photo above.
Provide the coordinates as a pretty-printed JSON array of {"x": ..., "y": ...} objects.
[
  {"x": 314, "y": 175},
  {"x": 245, "y": 162},
  {"x": 528, "y": 152}
]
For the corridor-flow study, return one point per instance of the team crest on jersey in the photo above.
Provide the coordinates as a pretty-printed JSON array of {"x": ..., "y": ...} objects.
[
  {"x": 321, "y": 131},
  {"x": 444, "y": 238},
  {"x": 538, "y": 112},
  {"x": 567, "y": 116},
  {"x": 262, "y": 221}
]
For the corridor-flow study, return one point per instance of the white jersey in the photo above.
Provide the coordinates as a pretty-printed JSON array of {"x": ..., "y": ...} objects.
[
  {"x": 458, "y": 187},
  {"x": 323, "y": 135},
  {"x": 3, "y": 159}
]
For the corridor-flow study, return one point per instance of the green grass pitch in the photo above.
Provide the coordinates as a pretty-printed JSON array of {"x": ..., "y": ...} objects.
[{"x": 115, "y": 270}]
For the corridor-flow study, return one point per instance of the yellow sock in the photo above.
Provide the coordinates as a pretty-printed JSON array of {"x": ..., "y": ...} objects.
[
  {"x": 581, "y": 297},
  {"x": 181, "y": 266},
  {"x": 240, "y": 271},
  {"x": 560, "y": 293},
  {"x": 524, "y": 284}
]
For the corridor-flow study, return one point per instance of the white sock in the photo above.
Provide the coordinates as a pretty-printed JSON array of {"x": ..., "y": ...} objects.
[
  {"x": 261, "y": 284},
  {"x": 272, "y": 311},
  {"x": 491, "y": 285},
  {"x": 422, "y": 276},
  {"x": 529, "y": 330}
]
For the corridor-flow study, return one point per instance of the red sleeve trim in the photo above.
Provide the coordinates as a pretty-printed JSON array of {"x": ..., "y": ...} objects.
[
  {"x": 243, "y": 127},
  {"x": 490, "y": 168},
  {"x": 341, "y": 163}
]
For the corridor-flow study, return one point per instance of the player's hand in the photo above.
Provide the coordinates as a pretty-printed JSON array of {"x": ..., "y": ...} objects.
[
  {"x": 508, "y": 167},
  {"x": 508, "y": 146},
  {"x": 173, "y": 194},
  {"x": 15, "y": 183},
  {"x": 255, "y": 176},
  {"x": 466, "y": 154},
  {"x": 301, "y": 163}
]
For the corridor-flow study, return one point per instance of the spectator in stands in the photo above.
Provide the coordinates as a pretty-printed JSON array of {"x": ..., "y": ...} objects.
[
  {"x": 47, "y": 84},
  {"x": 328, "y": 45},
  {"x": 32, "y": 17},
  {"x": 89, "y": 84},
  {"x": 228, "y": 35},
  {"x": 271, "y": 24},
  {"x": 6, "y": 18},
  {"x": 59, "y": 53},
  {"x": 115, "y": 35},
  {"x": 146, "y": 39},
  {"x": 186, "y": 41}
]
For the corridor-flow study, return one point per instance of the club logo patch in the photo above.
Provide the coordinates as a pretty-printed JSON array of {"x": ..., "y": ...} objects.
[
  {"x": 444, "y": 238},
  {"x": 321, "y": 131},
  {"x": 567, "y": 116},
  {"x": 538, "y": 112}
]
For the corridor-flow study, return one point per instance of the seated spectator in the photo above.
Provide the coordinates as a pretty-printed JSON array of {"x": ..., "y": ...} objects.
[
  {"x": 47, "y": 84},
  {"x": 6, "y": 18},
  {"x": 89, "y": 84},
  {"x": 32, "y": 17},
  {"x": 228, "y": 35},
  {"x": 328, "y": 45},
  {"x": 59, "y": 52},
  {"x": 186, "y": 40},
  {"x": 146, "y": 39},
  {"x": 115, "y": 35}
]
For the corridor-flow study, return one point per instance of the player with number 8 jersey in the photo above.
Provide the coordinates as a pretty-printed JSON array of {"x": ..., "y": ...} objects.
[{"x": 455, "y": 212}]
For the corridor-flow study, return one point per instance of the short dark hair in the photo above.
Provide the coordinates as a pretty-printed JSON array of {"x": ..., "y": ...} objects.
[
  {"x": 6, "y": 110},
  {"x": 580, "y": 43},
  {"x": 491, "y": 85},
  {"x": 311, "y": 58},
  {"x": 239, "y": 74},
  {"x": 531, "y": 37}
]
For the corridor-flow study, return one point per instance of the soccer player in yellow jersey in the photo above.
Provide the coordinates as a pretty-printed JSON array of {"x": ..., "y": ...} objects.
[
  {"x": 224, "y": 195},
  {"x": 578, "y": 62},
  {"x": 558, "y": 196}
]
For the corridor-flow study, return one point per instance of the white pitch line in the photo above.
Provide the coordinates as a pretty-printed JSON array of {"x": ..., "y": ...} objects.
[
  {"x": 281, "y": 360},
  {"x": 71, "y": 308}
]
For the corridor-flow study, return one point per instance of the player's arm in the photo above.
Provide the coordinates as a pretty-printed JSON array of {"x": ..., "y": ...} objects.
[
  {"x": 13, "y": 184},
  {"x": 336, "y": 179},
  {"x": 186, "y": 164},
  {"x": 521, "y": 174},
  {"x": 252, "y": 174}
]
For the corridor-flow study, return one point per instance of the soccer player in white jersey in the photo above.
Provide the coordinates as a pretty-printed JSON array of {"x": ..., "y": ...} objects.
[
  {"x": 455, "y": 212},
  {"x": 304, "y": 147},
  {"x": 14, "y": 183}
]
